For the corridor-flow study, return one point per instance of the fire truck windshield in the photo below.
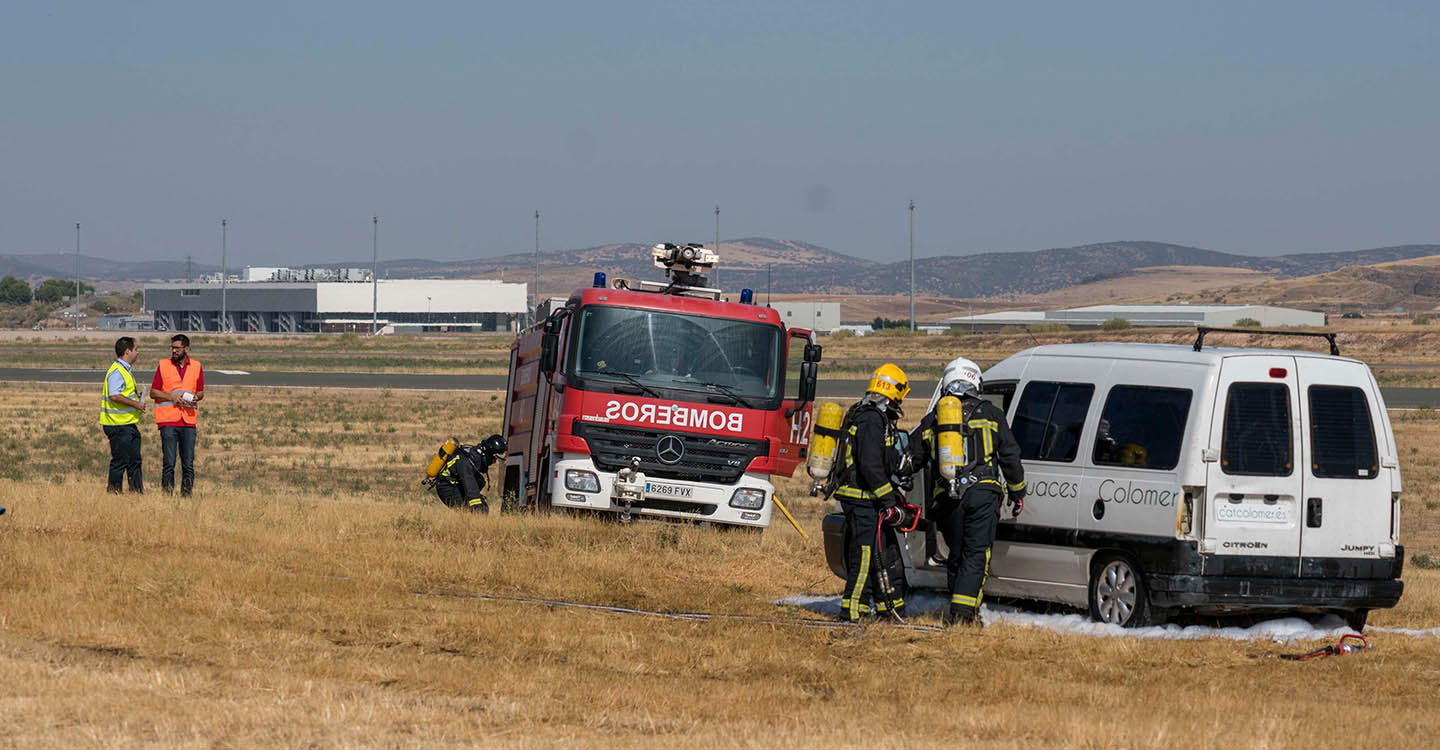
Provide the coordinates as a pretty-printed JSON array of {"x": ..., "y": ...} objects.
[{"x": 685, "y": 357}]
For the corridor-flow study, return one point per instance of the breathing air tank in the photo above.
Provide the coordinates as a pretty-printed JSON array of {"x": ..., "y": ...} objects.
[
  {"x": 441, "y": 457},
  {"x": 826, "y": 437},
  {"x": 948, "y": 436}
]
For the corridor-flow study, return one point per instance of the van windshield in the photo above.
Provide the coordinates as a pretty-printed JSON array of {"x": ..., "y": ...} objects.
[{"x": 672, "y": 355}]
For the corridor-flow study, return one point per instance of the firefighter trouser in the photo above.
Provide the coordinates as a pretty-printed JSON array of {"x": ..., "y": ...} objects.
[
  {"x": 864, "y": 561},
  {"x": 460, "y": 484},
  {"x": 968, "y": 525}
]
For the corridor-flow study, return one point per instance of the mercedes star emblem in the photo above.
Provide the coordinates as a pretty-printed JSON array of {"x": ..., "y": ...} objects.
[{"x": 670, "y": 449}]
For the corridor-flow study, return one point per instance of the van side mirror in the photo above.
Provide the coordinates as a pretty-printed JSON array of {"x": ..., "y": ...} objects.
[
  {"x": 809, "y": 373},
  {"x": 812, "y": 352},
  {"x": 549, "y": 352}
]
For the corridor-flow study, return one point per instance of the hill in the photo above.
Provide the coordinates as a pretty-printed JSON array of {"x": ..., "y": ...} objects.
[
  {"x": 1412, "y": 285},
  {"x": 794, "y": 267}
]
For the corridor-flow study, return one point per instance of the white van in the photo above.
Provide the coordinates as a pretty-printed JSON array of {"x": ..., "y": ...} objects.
[{"x": 1170, "y": 478}]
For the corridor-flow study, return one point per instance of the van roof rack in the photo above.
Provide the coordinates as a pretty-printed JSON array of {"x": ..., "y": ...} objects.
[{"x": 1200, "y": 332}]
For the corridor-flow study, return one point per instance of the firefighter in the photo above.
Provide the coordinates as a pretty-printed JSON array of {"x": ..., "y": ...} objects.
[
  {"x": 966, "y": 508},
  {"x": 869, "y": 492},
  {"x": 461, "y": 478}
]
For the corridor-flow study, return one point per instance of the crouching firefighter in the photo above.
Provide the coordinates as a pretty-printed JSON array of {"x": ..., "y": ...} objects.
[
  {"x": 457, "y": 472},
  {"x": 869, "y": 484},
  {"x": 973, "y": 459}
]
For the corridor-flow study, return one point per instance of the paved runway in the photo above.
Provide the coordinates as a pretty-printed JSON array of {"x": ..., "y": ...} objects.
[{"x": 1394, "y": 397}]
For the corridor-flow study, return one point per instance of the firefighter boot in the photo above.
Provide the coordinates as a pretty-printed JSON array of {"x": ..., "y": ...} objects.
[{"x": 959, "y": 614}]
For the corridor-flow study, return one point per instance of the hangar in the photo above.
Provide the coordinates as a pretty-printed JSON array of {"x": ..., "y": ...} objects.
[
  {"x": 408, "y": 305},
  {"x": 1171, "y": 315}
]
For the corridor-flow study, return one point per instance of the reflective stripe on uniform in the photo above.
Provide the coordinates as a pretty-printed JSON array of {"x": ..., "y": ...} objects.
[
  {"x": 860, "y": 581},
  {"x": 968, "y": 601},
  {"x": 1017, "y": 486}
]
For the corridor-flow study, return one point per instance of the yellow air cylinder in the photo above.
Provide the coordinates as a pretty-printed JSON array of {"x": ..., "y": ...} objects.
[
  {"x": 441, "y": 456},
  {"x": 822, "y": 446},
  {"x": 951, "y": 442}
]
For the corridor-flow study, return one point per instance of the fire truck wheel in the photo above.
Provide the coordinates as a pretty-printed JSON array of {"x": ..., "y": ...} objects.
[{"x": 1356, "y": 619}]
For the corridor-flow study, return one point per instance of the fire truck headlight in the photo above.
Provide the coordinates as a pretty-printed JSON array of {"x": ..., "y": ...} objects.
[
  {"x": 581, "y": 481},
  {"x": 748, "y": 499}
]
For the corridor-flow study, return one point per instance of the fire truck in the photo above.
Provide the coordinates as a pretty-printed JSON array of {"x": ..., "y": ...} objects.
[{"x": 658, "y": 400}]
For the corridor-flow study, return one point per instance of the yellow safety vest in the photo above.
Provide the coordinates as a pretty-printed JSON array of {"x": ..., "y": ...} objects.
[{"x": 114, "y": 412}]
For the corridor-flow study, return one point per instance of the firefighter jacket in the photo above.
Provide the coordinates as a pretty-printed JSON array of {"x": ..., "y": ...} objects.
[
  {"x": 869, "y": 458},
  {"x": 991, "y": 446}
]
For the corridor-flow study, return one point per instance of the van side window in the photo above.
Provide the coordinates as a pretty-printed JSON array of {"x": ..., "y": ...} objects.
[
  {"x": 1049, "y": 419},
  {"x": 1142, "y": 427},
  {"x": 1342, "y": 440},
  {"x": 1257, "y": 430},
  {"x": 999, "y": 394}
]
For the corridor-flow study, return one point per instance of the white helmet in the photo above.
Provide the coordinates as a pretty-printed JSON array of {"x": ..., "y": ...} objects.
[{"x": 961, "y": 377}]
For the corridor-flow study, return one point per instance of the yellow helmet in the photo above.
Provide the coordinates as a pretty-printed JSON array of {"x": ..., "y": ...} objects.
[
  {"x": 889, "y": 381},
  {"x": 1134, "y": 454}
]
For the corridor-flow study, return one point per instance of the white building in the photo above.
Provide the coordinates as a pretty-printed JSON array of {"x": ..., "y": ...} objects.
[
  {"x": 1095, "y": 316},
  {"x": 294, "y": 307},
  {"x": 821, "y": 317}
]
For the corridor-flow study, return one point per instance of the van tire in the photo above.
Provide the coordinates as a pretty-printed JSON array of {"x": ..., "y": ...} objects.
[
  {"x": 1117, "y": 593},
  {"x": 1356, "y": 619}
]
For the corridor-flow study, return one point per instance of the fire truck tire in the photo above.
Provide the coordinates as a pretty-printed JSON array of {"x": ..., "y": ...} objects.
[
  {"x": 510, "y": 493},
  {"x": 1356, "y": 618}
]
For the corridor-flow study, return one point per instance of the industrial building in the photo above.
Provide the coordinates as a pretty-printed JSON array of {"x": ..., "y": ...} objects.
[
  {"x": 1170, "y": 316},
  {"x": 821, "y": 317},
  {"x": 284, "y": 306}
]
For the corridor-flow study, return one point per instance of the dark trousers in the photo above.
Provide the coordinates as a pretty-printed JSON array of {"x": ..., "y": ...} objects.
[
  {"x": 124, "y": 457},
  {"x": 867, "y": 554},
  {"x": 968, "y": 525},
  {"x": 181, "y": 440}
]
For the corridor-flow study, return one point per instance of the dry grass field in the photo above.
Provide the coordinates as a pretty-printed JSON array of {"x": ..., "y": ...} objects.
[{"x": 311, "y": 594}]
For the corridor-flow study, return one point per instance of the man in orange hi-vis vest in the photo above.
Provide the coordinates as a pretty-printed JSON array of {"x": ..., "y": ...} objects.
[{"x": 178, "y": 388}]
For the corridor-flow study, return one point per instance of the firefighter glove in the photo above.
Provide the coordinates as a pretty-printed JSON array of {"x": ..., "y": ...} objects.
[{"x": 1017, "y": 503}]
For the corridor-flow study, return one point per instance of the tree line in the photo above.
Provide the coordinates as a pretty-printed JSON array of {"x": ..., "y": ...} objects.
[{"x": 15, "y": 291}]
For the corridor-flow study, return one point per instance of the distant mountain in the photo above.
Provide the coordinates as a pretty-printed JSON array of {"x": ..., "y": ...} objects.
[{"x": 789, "y": 266}]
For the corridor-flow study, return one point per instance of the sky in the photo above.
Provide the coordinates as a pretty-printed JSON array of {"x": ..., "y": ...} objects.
[{"x": 1257, "y": 128}]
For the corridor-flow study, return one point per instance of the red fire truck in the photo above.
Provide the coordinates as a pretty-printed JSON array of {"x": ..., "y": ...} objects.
[{"x": 658, "y": 399}]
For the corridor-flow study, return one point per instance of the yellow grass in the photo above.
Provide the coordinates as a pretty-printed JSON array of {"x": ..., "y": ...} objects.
[{"x": 265, "y": 612}]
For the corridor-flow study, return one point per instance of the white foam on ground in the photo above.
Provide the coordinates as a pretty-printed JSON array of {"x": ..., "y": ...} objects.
[{"x": 1329, "y": 627}]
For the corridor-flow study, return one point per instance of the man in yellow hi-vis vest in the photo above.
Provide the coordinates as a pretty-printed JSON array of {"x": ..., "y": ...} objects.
[{"x": 120, "y": 410}]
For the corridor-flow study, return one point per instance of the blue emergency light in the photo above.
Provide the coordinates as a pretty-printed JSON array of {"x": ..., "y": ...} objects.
[
  {"x": 599, "y": 280},
  {"x": 747, "y": 296}
]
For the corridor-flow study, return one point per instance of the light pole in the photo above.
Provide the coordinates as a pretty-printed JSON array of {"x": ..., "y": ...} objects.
[
  {"x": 375, "y": 275},
  {"x": 535, "y": 308},
  {"x": 428, "y": 317},
  {"x": 912, "y": 266},
  {"x": 77, "y": 275},
  {"x": 717, "y": 243},
  {"x": 224, "y": 276}
]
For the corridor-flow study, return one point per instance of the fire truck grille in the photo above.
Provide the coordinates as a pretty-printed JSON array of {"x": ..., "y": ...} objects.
[{"x": 704, "y": 459}]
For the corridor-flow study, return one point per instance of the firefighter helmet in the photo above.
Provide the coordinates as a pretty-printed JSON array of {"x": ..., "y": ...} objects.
[
  {"x": 889, "y": 381},
  {"x": 1134, "y": 454},
  {"x": 961, "y": 376}
]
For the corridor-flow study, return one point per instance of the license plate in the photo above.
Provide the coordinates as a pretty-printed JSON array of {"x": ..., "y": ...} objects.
[{"x": 668, "y": 490}]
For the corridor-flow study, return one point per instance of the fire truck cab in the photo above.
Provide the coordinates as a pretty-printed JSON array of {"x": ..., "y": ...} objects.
[{"x": 659, "y": 399}]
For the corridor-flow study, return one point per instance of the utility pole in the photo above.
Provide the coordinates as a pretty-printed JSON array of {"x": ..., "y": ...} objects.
[
  {"x": 717, "y": 243},
  {"x": 375, "y": 275},
  {"x": 912, "y": 266},
  {"x": 535, "y": 308},
  {"x": 224, "y": 277},
  {"x": 77, "y": 275}
]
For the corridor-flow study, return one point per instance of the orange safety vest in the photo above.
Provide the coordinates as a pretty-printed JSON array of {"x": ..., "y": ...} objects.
[{"x": 170, "y": 412}]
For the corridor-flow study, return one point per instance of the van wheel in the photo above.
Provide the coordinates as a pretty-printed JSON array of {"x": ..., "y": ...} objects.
[
  {"x": 1356, "y": 619},
  {"x": 1117, "y": 593}
]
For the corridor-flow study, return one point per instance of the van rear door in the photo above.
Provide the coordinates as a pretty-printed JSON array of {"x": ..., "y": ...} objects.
[
  {"x": 1253, "y": 488},
  {"x": 1347, "y": 498}
]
